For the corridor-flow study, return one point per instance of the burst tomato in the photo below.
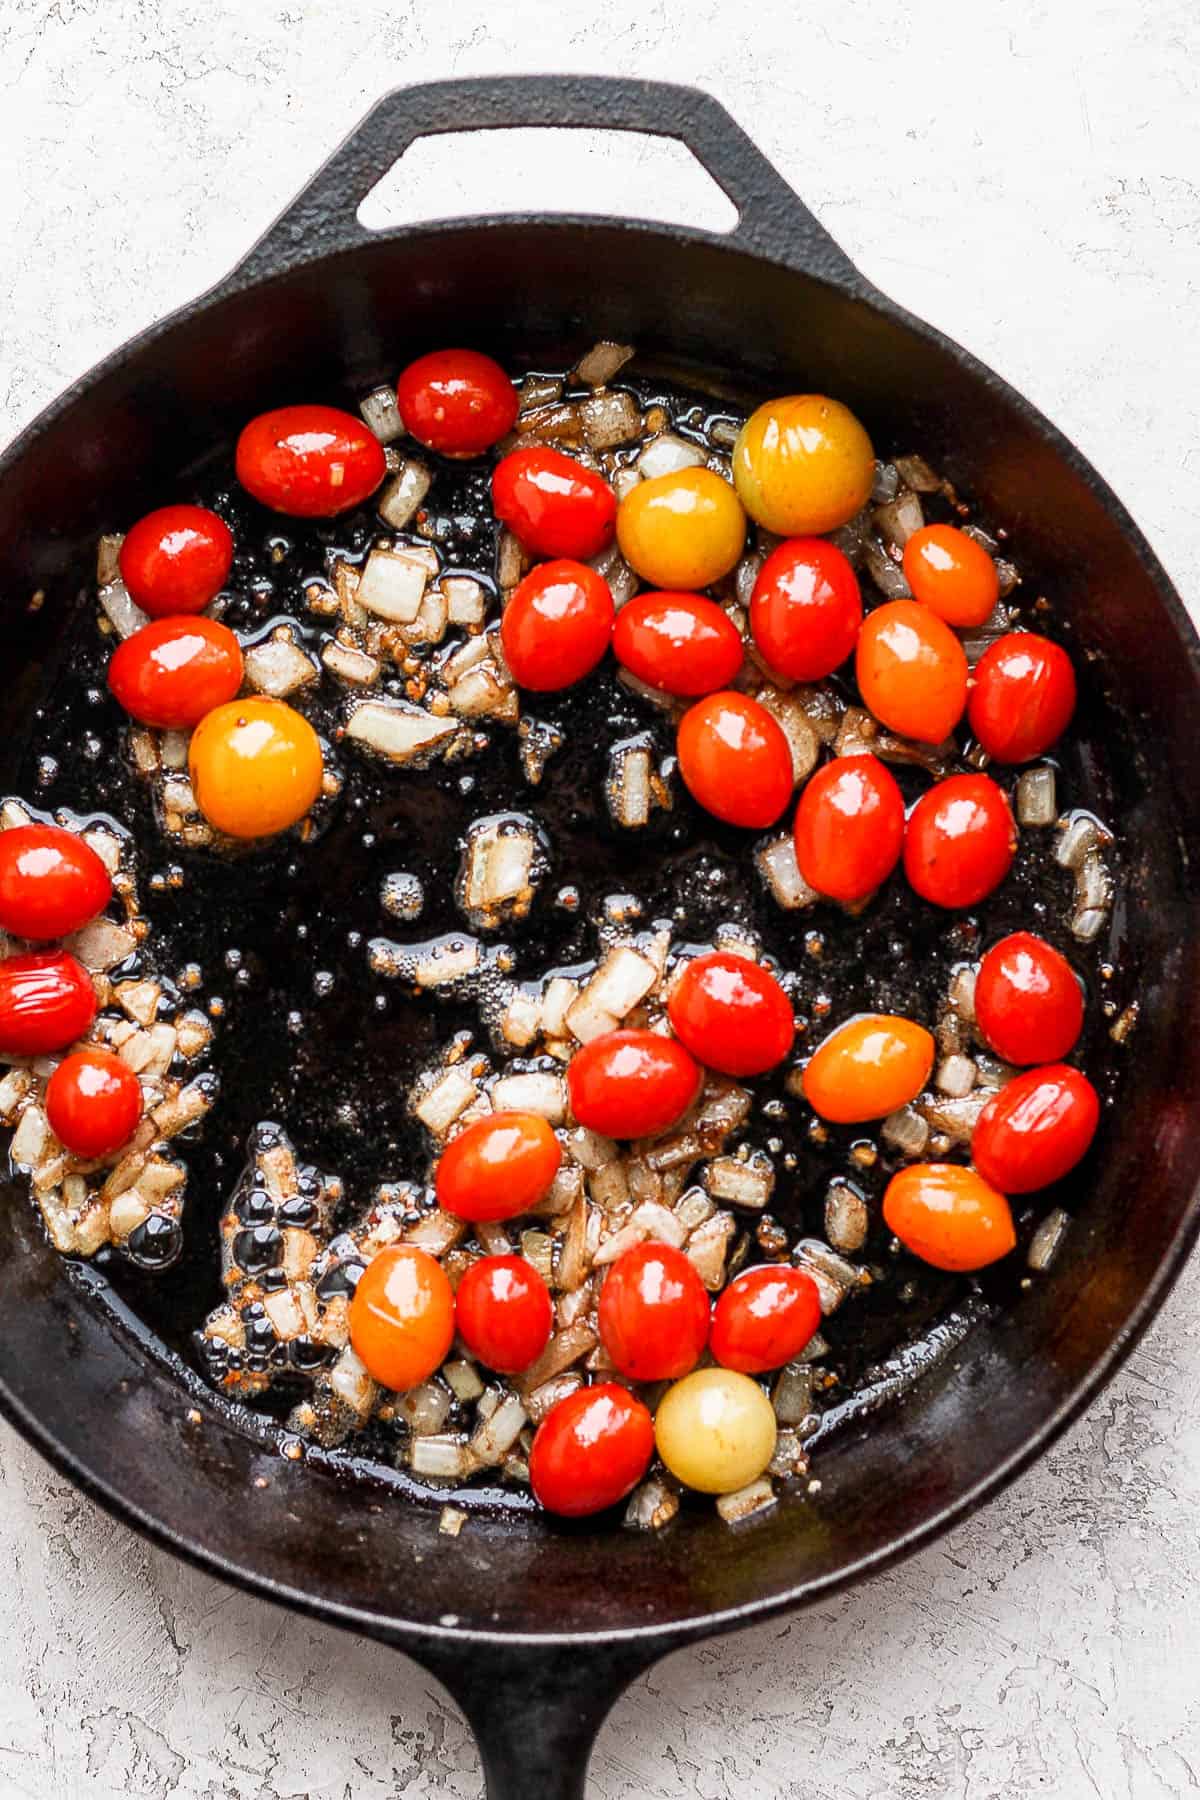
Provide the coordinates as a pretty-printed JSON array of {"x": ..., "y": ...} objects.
[
  {"x": 868, "y": 1068},
  {"x": 176, "y": 560},
  {"x": 173, "y": 671},
  {"x": 682, "y": 530},
  {"x": 505, "y": 1314},
  {"x": 951, "y": 574},
  {"x": 93, "y": 1103},
  {"x": 735, "y": 760},
  {"x": 849, "y": 827},
  {"x": 46, "y": 1001},
  {"x": 498, "y": 1167},
  {"x": 1035, "y": 1129},
  {"x": 949, "y": 1216},
  {"x": 912, "y": 671},
  {"x": 557, "y": 626},
  {"x": 653, "y": 1314},
  {"x": 960, "y": 841},
  {"x": 631, "y": 1084},
  {"x": 803, "y": 464},
  {"x": 806, "y": 609},
  {"x": 1028, "y": 1003},
  {"x": 764, "y": 1318},
  {"x": 1023, "y": 696},
  {"x": 679, "y": 643},
  {"x": 591, "y": 1450},
  {"x": 51, "y": 882},
  {"x": 311, "y": 462},
  {"x": 731, "y": 1014},
  {"x": 553, "y": 504},
  {"x": 402, "y": 1317},
  {"x": 456, "y": 401},
  {"x": 255, "y": 766}
]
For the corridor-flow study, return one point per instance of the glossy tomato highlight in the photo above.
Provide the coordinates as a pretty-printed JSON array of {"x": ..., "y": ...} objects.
[
  {"x": 867, "y": 1068},
  {"x": 731, "y": 1014},
  {"x": 553, "y": 504},
  {"x": 173, "y": 671},
  {"x": 949, "y": 1216},
  {"x": 1023, "y": 696},
  {"x": 764, "y": 1318},
  {"x": 1028, "y": 1002},
  {"x": 176, "y": 560},
  {"x": 46, "y": 1001},
  {"x": 653, "y": 1314},
  {"x": 912, "y": 671},
  {"x": 849, "y": 827},
  {"x": 678, "y": 643},
  {"x": 806, "y": 610},
  {"x": 591, "y": 1450},
  {"x": 402, "y": 1317},
  {"x": 735, "y": 760},
  {"x": 631, "y": 1084},
  {"x": 93, "y": 1102},
  {"x": 51, "y": 882},
  {"x": 311, "y": 462},
  {"x": 458, "y": 402},
  {"x": 557, "y": 626},
  {"x": 1035, "y": 1128},
  {"x": 505, "y": 1314},
  {"x": 498, "y": 1167},
  {"x": 960, "y": 841}
]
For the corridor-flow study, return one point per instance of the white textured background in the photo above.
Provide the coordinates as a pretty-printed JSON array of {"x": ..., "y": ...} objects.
[{"x": 1026, "y": 175}]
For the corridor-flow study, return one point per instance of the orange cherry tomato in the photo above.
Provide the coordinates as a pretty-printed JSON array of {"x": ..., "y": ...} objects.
[
  {"x": 803, "y": 464},
  {"x": 498, "y": 1167},
  {"x": 806, "y": 609},
  {"x": 457, "y": 401},
  {"x": 176, "y": 560},
  {"x": 653, "y": 1313},
  {"x": 731, "y": 1014},
  {"x": 93, "y": 1103},
  {"x": 951, "y": 574},
  {"x": 256, "y": 767},
  {"x": 735, "y": 760},
  {"x": 1028, "y": 1002},
  {"x": 1023, "y": 696},
  {"x": 849, "y": 827},
  {"x": 557, "y": 626},
  {"x": 311, "y": 462},
  {"x": 679, "y": 643},
  {"x": 173, "y": 671},
  {"x": 590, "y": 1450},
  {"x": 764, "y": 1318},
  {"x": 553, "y": 504},
  {"x": 949, "y": 1216},
  {"x": 682, "y": 530},
  {"x": 912, "y": 671},
  {"x": 1035, "y": 1129},
  {"x": 867, "y": 1068},
  {"x": 959, "y": 841},
  {"x": 631, "y": 1084},
  {"x": 51, "y": 882},
  {"x": 402, "y": 1317},
  {"x": 505, "y": 1313}
]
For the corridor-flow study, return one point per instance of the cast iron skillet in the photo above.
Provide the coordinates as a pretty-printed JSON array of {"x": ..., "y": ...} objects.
[{"x": 536, "y": 1628}]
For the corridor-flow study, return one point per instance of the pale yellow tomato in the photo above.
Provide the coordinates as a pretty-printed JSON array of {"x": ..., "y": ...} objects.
[
  {"x": 803, "y": 464},
  {"x": 715, "y": 1430},
  {"x": 682, "y": 530}
]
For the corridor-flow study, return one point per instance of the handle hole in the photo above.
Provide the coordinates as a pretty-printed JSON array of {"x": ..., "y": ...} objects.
[{"x": 534, "y": 170}]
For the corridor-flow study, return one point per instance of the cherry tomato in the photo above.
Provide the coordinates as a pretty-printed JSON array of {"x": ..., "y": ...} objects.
[
  {"x": 734, "y": 759},
  {"x": 948, "y": 1216},
  {"x": 255, "y": 766},
  {"x": 678, "y": 643},
  {"x": 1028, "y": 1003},
  {"x": 176, "y": 560},
  {"x": 51, "y": 882},
  {"x": 498, "y": 1167},
  {"x": 960, "y": 841},
  {"x": 731, "y": 1014},
  {"x": 173, "y": 671},
  {"x": 912, "y": 671},
  {"x": 456, "y": 401},
  {"x": 867, "y": 1068},
  {"x": 1023, "y": 696},
  {"x": 715, "y": 1430},
  {"x": 557, "y": 626},
  {"x": 46, "y": 1001},
  {"x": 311, "y": 462},
  {"x": 849, "y": 827},
  {"x": 93, "y": 1103},
  {"x": 653, "y": 1314},
  {"x": 553, "y": 504},
  {"x": 590, "y": 1450},
  {"x": 682, "y": 530},
  {"x": 806, "y": 609},
  {"x": 402, "y": 1317},
  {"x": 1035, "y": 1129},
  {"x": 505, "y": 1314},
  {"x": 803, "y": 464},
  {"x": 764, "y": 1318},
  {"x": 631, "y": 1084},
  {"x": 951, "y": 574}
]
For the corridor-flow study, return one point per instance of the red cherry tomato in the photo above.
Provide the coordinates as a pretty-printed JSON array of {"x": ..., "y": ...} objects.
[
  {"x": 51, "y": 882},
  {"x": 176, "y": 560},
  {"x": 653, "y": 1313},
  {"x": 1035, "y": 1129},
  {"x": 1028, "y": 1004},
  {"x": 505, "y": 1314},
  {"x": 731, "y": 1014},
  {"x": 456, "y": 401},
  {"x": 1023, "y": 696},
  {"x": 735, "y": 760},
  {"x": 557, "y": 626},
  {"x": 591, "y": 1450},
  {"x": 631, "y": 1084},
  {"x": 806, "y": 609},
  {"x": 46, "y": 1001},
  {"x": 764, "y": 1318},
  {"x": 173, "y": 671},
  {"x": 311, "y": 462},
  {"x": 912, "y": 671},
  {"x": 402, "y": 1316},
  {"x": 498, "y": 1167},
  {"x": 679, "y": 643},
  {"x": 553, "y": 504},
  {"x": 960, "y": 841},
  {"x": 951, "y": 574},
  {"x": 93, "y": 1103},
  {"x": 849, "y": 827}
]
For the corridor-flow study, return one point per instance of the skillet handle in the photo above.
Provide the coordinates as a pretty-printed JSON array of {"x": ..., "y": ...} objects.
[{"x": 772, "y": 219}]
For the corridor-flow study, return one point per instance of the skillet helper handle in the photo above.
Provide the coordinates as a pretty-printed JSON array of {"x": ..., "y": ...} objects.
[{"x": 772, "y": 219}]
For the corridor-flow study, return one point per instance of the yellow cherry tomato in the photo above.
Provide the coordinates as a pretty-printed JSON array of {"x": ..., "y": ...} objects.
[
  {"x": 868, "y": 1068},
  {"x": 715, "y": 1430},
  {"x": 683, "y": 530},
  {"x": 803, "y": 464},
  {"x": 255, "y": 767}
]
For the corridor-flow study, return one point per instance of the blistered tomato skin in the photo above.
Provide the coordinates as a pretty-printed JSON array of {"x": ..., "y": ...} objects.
[
  {"x": 498, "y": 1167},
  {"x": 951, "y": 574},
  {"x": 683, "y": 530},
  {"x": 255, "y": 767},
  {"x": 806, "y": 610},
  {"x": 554, "y": 505},
  {"x": 557, "y": 626},
  {"x": 402, "y": 1317},
  {"x": 176, "y": 560},
  {"x": 173, "y": 671},
  {"x": 1023, "y": 696},
  {"x": 911, "y": 671},
  {"x": 505, "y": 1314},
  {"x": 46, "y": 1001},
  {"x": 849, "y": 827},
  {"x": 868, "y": 1068},
  {"x": 653, "y": 1314},
  {"x": 591, "y": 1450},
  {"x": 311, "y": 462},
  {"x": 959, "y": 841},
  {"x": 631, "y": 1084},
  {"x": 731, "y": 1014},
  {"x": 803, "y": 464},
  {"x": 715, "y": 1430},
  {"x": 735, "y": 760},
  {"x": 93, "y": 1103},
  {"x": 949, "y": 1216},
  {"x": 1028, "y": 1002},
  {"x": 51, "y": 882},
  {"x": 1035, "y": 1129},
  {"x": 764, "y": 1318},
  {"x": 678, "y": 643},
  {"x": 458, "y": 402}
]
